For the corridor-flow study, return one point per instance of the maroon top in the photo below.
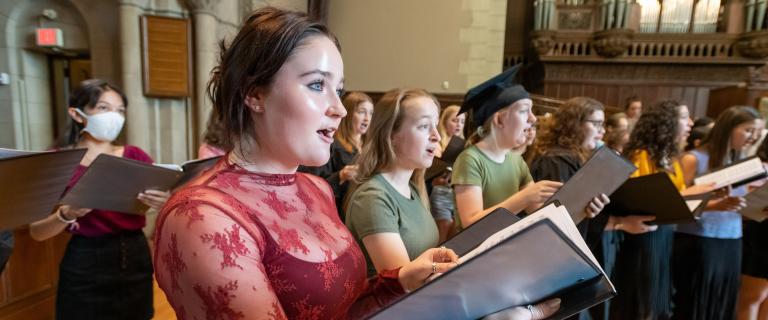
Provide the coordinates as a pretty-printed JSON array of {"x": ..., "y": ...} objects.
[
  {"x": 103, "y": 222},
  {"x": 233, "y": 244}
]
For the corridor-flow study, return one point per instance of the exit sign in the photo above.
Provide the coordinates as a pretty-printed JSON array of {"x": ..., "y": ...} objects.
[{"x": 49, "y": 37}]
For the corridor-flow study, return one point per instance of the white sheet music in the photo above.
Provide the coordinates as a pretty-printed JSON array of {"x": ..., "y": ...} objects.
[
  {"x": 693, "y": 204},
  {"x": 732, "y": 174}
]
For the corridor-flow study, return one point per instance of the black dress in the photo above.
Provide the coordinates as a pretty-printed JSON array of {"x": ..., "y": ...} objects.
[
  {"x": 340, "y": 158},
  {"x": 755, "y": 249},
  {"x": 560, "y": 165}
]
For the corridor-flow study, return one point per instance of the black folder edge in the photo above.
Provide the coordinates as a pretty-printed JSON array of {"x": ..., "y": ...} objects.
[
  {"x": 578, "y": 215},
  {"x": 26, "y": 154},
  {"x": 142, "y": 208},
  {"x": 741, "y": 182},
  {"x": 615, "y": 206},
  {"x": 566, "y": 308},
  {"x": 192, "y": 169},
  {"x": 493, "y": 222}
]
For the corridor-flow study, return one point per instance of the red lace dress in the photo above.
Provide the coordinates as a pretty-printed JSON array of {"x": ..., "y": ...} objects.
[{"x": 234, "y": 244}]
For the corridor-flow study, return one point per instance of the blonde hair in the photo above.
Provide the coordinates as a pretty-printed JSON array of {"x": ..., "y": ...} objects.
[
  {"x": 448, "y": 113},
  {"x": 378, "y": 153},
  {"x": 346, "y": 130}
]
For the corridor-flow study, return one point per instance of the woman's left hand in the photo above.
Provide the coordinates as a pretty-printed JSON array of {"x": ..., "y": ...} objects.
[
  {"x": 540, "y": 311},
  {"x": 155, "y": 199},
  {"x": 596, "y": 205},
  {"x": 435, "y": 260}
]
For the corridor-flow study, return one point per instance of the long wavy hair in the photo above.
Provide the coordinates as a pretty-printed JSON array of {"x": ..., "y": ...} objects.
[
  {"x": 448, "y": 113},
  {"x": 718, "y": 142},
  {"x": 378, "y": 154},
  {"x": 346, "y": 128},
  {"x": 566, "y": 128},
  {"x": 655, "y": 132}
]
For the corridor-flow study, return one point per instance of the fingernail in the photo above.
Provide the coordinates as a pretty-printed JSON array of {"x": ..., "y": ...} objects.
[{"x": 553, "y": 303}]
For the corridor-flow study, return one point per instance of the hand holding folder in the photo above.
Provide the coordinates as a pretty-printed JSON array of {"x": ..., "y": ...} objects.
[
  {"x": 603, "y": 173},
  {"x": 757, "y": 202},
  {"x": 34, "y": 182},
  {"x": 536, "y": 259},
  {"x": 113, "y": 183}
]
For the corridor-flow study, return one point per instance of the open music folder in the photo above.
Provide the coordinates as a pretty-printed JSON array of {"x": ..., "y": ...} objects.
[
  {"x": 734, "y": 174},
  {"x": 656, "y": 195},
  {"x": 603, "y": 173},
  {"x": 33, "y": 183},
  {"x": 113, "y": 183},
  {"x": 191, "y": 169},
  {"x": 538, "y": 258}
]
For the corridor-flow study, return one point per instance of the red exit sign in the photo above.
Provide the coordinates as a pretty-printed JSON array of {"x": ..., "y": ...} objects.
[{"x": 49, "y": 37}]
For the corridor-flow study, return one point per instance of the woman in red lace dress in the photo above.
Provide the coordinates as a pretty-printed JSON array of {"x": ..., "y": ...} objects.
[{"x": 251, "y": 238}]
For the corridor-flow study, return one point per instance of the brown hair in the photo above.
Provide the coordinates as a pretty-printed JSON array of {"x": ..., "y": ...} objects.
[
  {"x": 351, "y": 101},
  {"x": 265, "y": 41},
  {"x": 378, "y": 153},
  {"x": 630, "y": 100},
  {"x": 566, "y": 128},
  {"x": 613, "y": 134},
  {"x": 718, "y": 142}
]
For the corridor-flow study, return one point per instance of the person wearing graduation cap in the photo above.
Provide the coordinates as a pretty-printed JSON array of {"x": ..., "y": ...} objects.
[{"x": 487, "y": 175}]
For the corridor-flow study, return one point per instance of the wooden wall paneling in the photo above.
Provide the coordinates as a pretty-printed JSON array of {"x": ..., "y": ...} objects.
[{"x": 165, "y": 56}]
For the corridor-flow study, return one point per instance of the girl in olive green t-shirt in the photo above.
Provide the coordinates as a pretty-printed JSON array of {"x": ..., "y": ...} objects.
[{"x": 388, "y": 212}]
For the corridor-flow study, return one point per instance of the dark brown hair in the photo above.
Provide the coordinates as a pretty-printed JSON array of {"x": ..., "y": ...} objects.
[
  {"x": 566, "y": 128},
  {"x": 655, "y": 132},
  {"x": 630, "y": 100},
  {"x": 718, "y": 142},
  {"x": 265, "y": 41},
  {"x": 85, "y": 96}
]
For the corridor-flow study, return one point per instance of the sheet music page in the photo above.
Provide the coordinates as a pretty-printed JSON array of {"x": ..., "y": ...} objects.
[
  {"x": 169, "y": 166},
  {"x": 732, "y": 174},
  {"x": 693, "y": 204},
  {"x": 557, "y": 214},
  {"x": 9, "y": 153}
]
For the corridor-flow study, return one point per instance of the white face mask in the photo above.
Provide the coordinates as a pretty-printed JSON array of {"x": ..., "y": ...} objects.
[{"x": 105, "y": 126}]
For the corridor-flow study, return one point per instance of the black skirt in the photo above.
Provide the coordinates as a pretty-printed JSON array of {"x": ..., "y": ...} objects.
[
  {"x": 705, "y": 277},
  {"x": 642, "y": 276},
  {"x": 755, "y": 250},
  {"x": 107, "y": 277}
]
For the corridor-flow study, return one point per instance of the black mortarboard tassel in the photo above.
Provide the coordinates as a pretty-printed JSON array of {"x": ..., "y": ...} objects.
[{"x": 493, "y": 95}]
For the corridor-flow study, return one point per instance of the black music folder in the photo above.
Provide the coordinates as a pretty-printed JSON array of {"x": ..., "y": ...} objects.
[
  {"x": 656, "y": 195},
  {"x": 540, "y": 257},
  {"x": 604, "y": 172},
  {"x": 475, "y": 234},
  {"x": 735, "y": 174},
  {"x": 442, "y": 165},
  {"x": 33, "y": 183}
]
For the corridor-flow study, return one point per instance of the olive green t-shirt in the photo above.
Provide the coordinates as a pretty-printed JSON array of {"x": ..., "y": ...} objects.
[
  {"x": 498, "y": 180},
  {"x": 376, "y": 207}
]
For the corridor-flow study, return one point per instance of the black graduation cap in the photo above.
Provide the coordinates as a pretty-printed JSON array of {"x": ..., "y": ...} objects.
[{"x": 494, "y": 94}]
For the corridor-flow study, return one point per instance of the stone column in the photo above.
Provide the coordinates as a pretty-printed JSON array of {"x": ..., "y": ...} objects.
[
  {"x": 137, "y": 114},
  {"x": 205, "y": 52}
]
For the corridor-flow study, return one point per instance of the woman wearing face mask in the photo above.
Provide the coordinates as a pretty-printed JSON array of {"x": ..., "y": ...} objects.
[
  {"x": 347, "y": 142},
  {"x": 250, "y": 238},
  {"x": 441, "y": 197},
  {"x": 106, "y": 271},
  {"x": 707, "y": 252},
  {"x": 643, "y": 263}
]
